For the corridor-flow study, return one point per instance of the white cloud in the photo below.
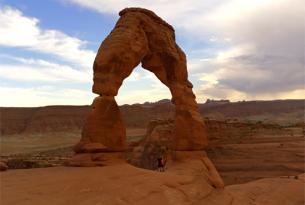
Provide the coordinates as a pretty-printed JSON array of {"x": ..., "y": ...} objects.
[
  {"x": 172, "y": 10},
  {"x": 273, "y": 62},
  {"x": 41, "y": 96},
  {"x": 18, "y": 30},
  {"x": 141, "y": 96},
  {"x": 37, "y": 70},
  {"x": 223, "y": 92},
  {"x": 148, "y": 88},
  {"x": 134, "y": 76}
]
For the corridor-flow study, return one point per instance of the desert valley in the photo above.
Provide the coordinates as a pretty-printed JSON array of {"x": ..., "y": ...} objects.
[{"x": 257, "y": 140}]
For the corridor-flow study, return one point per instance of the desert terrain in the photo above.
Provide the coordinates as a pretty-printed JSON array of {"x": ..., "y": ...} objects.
[
  {"x": 243, "y": 148},
  {"x": 182, "y": 183},
  {"x": 254, "y": 152}
]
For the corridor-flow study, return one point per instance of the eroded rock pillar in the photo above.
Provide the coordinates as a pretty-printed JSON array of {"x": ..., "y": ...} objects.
[
  {"x": 104, "y": 130},
  {"x": 189, "y": 130},
  {"x": 103, "y": 136}
]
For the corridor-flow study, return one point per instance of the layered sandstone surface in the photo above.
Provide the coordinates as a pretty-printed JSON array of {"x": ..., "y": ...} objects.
[{"x": 183, "y": 183}]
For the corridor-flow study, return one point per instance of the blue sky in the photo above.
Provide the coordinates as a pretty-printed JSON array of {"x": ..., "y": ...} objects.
[{"x": 236, "y": 49}]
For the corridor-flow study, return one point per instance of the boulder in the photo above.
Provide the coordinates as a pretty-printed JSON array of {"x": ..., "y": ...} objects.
[{"x": 3, "y": 166}]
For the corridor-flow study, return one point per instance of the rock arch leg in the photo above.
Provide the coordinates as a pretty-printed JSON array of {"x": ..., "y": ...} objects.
[
  {"x": 189, "y": 129},
  {"x": 104, "y": 129},
  {"x": 118, "y": 55}
]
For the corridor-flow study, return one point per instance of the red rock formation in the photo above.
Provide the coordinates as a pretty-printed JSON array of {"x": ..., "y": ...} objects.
[
  {"x": 158, "y": 140},
  {"x": 140, "y": 36},
  {"x": 104, "y": 129},
  {"x": 3, "y": 166}
]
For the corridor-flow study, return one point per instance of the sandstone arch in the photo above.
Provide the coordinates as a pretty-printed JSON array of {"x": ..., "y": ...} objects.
[{"x": 140, "y": 36}]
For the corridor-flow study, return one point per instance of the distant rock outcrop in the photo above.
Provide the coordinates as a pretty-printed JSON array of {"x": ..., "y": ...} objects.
[
  {"x": 216, "y": 102},
  {"x": 67, "y": 118},
  {"x": 157, "y": 142},
  {"x": 42, "y": 119}
]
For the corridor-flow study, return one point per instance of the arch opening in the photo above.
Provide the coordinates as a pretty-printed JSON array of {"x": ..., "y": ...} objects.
[{"x": 141, "y": 86}]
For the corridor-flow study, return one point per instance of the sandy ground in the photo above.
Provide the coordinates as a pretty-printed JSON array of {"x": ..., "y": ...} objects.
[
  {"x": 238, "y": 161},
  {"x": 28, "y": 143},
  {"x": 182, "y": 183},
  {"x": 262, "y": 155}
]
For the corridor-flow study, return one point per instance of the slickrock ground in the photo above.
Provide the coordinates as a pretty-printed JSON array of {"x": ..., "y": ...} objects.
[{"x": 182, "y": 183}]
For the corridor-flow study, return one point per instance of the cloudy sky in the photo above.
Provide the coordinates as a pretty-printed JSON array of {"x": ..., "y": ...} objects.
[{"x": 236, "y": 49}]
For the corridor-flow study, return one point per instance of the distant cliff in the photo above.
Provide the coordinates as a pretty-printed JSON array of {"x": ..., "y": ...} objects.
[
  {"x": 42, "y": 119},
  {"x": 66, "y": 118}
]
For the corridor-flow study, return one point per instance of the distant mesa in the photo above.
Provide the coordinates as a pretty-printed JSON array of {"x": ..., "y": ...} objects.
[
  {"x": 164, "y": 101},
  {"x": 47, "y": 119},
  {"x": 216, "y": 102}
]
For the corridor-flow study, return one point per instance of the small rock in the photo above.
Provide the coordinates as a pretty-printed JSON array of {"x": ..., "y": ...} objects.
[{"x": 3, "y": 166}]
